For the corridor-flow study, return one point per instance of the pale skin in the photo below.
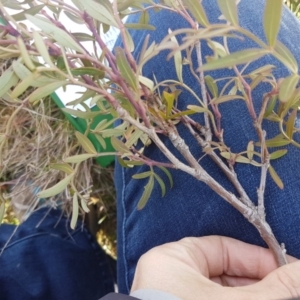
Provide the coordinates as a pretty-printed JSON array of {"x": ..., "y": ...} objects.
[{"x": 217, "y": 267}]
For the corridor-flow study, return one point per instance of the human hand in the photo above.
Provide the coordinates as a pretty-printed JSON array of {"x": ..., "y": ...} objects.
[{"x": 216, "y": 267}]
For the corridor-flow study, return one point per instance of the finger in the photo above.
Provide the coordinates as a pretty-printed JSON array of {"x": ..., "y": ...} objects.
[
  {"x": 221, "y": 255},
  {"x": 283, "y": 283}
]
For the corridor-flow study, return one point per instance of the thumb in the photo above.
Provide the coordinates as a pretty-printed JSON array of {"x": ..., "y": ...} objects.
[{"x": 282, "y": 283}]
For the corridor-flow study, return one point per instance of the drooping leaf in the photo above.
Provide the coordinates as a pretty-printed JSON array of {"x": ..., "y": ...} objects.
[
  {"x": 125, "y": 68},
  {"x": 226, "y": 98},
  {"x": 7, "y": 80},
  {"x": 85, "y": 143},
  {"x": 62, "y": 37},
  {"x": 272, "y": 17},
  {"x": 229, "y": 10},
  {"x": 161, "y": 183},
  {"x": 62, "y": 167},
  {"x": 146, "y": 194},
  {"x": 46, "y": 90},
  {"x": 142, "y": 175},
  {"x": 275, "y": 177},
  {"x": 196, "y": 9},
  {"x": 286, "y": 57},
  {"x": 144, "y": 18},
  {"x": 25, "y": 55},
  {"x": 41, "y": 48},
  {"x": 75, "y": 211},
  {"x": 167, "y": 172},
  {"x": 177, "y": 58},
  {"x": 57, "y": 188},
  {"x": 287, "y": 87},
  {"x": 84, "y": 205},
  {"x": 31, "y": 11},
  {"x": 119, "y": 146},
  {"x": 236, "y": 58},
  {"x": 212, "y": 86},
  {"x": 147, "y": 82},
  {"x": 291, "y": 123},
  {"x": 277, "y": 154}
]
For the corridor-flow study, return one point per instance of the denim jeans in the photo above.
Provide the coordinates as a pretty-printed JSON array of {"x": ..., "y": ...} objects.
[
  {"x": 46, "y": 259},
  {"x": 191, "y": 208}
]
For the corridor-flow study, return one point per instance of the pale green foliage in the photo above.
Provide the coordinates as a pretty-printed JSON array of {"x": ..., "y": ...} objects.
[{"x": 57, "y": 58}]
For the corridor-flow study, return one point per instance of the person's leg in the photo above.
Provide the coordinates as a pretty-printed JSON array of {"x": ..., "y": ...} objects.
[
  {"x": 190, "y": 208},
  {"x": 44, "y": 258}
]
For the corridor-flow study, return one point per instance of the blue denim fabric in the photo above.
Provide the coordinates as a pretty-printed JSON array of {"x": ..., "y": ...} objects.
[
  {"x": 190, "y": 208},
  {"x": 51, "y": 261}
]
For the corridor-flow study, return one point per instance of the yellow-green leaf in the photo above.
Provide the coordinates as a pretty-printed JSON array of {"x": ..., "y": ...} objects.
[
  {"x": 236, "y": 58},
  {"x": 291, "y": 123},
  {"x": 57, "y": 188},
  {"x": 142, "y": 175},
  {"x": 146, "y": 194},
  {"x": 125, "y": 68},
  {"x": 75, "y": 210},
  {"x": 250, "y": 150},
  {"x": 46, "y": 90},
  {"x": 79, "y": 158},
  {"x": 25, "y": 55},
  {"x": 161, "y": 183},
  {"x": 229, "y": 10},
  {"x": 226, "y": 98},
  {"x": 272, "y": 17},
  {"x": 277, "y": 141},
  {"x": 144, "y": 18},
  {"x": 81, "y": 114},
  {"x": 177, "y": 58},
  {"x": 41, "y": 48},
  {"x": 31, "y": 11},
  {"x": 242, "y": 159},
  {"x": 286, "y": 57},
  {"x": 277, "y": 154},
  {"x": 287, "y": 87},
  {"x": 147, "y": 82},
  {"x": 62, "y": 37},
  {"x": 84, "y": 205},
  {"x": 169, "y": 98},
  {"x": 197, "y": 108},
  {"x": 196, "y": 9},
  {"x": 119, "y": 146},
  {"x": 85, "y": 143},
  {"x": 7, "y": 80},
  {"x": 275, "y": 177},
  {"x": 62, "y": 167},
  {"x": 212, "y": 86}
]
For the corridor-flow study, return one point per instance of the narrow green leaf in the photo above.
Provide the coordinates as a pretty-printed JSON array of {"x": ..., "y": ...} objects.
[
  {"x": 75, "y": 159},
  {"x": 62, "y": 167},
  {"x": 119, "y": 146},
  {"x": 196, "y": 9},
  {"x": 8, "y": 79},
  {"x": 75, "y": 211},
  {"x": 139, "y": 26},
  {"x": 146, "y": 194},
  {"x": 125, "y": 68},
  {"x": 62, "y": 37},
  {"x": 41, "y": 48},
  {"x": 2, "y": 211},
  {"x": 287, "y": 87},
  {"x": 161, "y": 183},
  {"x": 88, "y": 71},
  {"x": 275, "y": 177},
  {"x": 85, "y": 143},
  {"x": 57, "y": 188},
  {"x": 250, "y": 150},
  {"x": 83, "y": 37},
  {"x": 129, "y": 40},
  {"x": 101, "y": 140},
  {"x": 142, "y": 175},
  {"x": 167, "y": 172},
  {"x": 272, "y": 17},
  {"x": 84, "y": 205},
  {"x": 24, "y": 53},
  {"x": 212, "y": 86},
  {"x": 262, "y": 70},
  {"x": 177, "y": 58},
  {"x": 291, "y": 123},
  {"x": 169, "y": 98},
  {"x": 236, "y": 58},
  {"x": 81, "y": 114},
  {"x": 226, "y": 98},
  {"x": 242, "y": 159},
  {"x": 286, "y": 57},
  {"x": 277, "y": 141},
  {"x": 46, "y": 90},
  {"x": 22, "y": 86},
  {"x": 31, "y": 11},
  {"x": 99, "y": 12},
  {"x": 74, "y": 18},
  {"x": 277, "y": 154},
  {"x": 197, "y": 108},
  {"x": 229, "y": 10},
  {"x": 144, "y": 18}
]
